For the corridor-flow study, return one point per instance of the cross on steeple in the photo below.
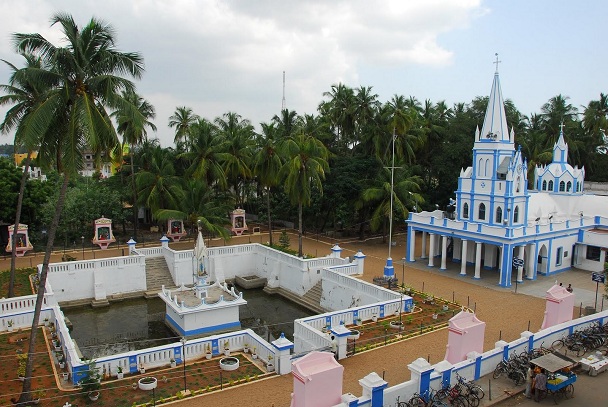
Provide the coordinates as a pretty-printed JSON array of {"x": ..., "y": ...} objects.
[
  {"x": 561, "y": 127},
  {"x": 497, "y": 62}
]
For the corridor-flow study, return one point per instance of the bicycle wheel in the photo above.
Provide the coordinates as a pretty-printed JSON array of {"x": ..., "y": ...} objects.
[
  {"x": 440, "y": 395},
  {"x": 473, "y": 400},
  {"x": 500, "y": 369},
  {"x": 569, "y": 391},
  {"x": 460, "y": 401},
  {"x": 557, "y": 344},
  {"x": 558, "y": 395},
  {"x": 477, "y": 390}
]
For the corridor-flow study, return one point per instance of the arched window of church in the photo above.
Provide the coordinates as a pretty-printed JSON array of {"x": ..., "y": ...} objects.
[
  {"x": 498, "y": 215},
  {"x": 485, "y": 171},
  {"x": 516, "y": 215},
  {"x": 482, "y": 212},
  {"x": 562, "y": 186},
  {"x": 517, "y": 184},
  {"x": 551, "y": 186},
  {"x": 479, "y": 166},
  {"x": 544, "y": 185},
  {"x": 568, "y": 186},
  {"x": 465, "y": 210}
]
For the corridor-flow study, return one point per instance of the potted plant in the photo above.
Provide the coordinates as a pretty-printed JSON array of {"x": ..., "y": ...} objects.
[
  {"x": 226, "y": 348},
  {"x": 172, "y": 362},
  {"x": 119, "y": 373},
  {"x": 208, "y": 353},
  {"x": 269, "y": 364},
  {"x": 57, "y": 344},
  {"x": 254, "y": 353},
  {"x": 46, "y": 322},
  {"x": 375, "y": 317},
  {"x": 435, "y": 315},
  {"x": 246, "y": 347},
  {"x": 92, "y": 381},
  {"x": 61, "y": 360},
  {"x": 9, "y": 325},
  {"x": 142, "y": 368},
  {"x": 445, "y": 307},
  {"x": 358, "y": 321}
]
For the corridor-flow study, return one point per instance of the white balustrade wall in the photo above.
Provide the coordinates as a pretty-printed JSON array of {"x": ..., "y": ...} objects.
[
  {"x": 76, "y": 280},
  {"x": 485, "y": 363},
  {"x": 341, "y": 291}
]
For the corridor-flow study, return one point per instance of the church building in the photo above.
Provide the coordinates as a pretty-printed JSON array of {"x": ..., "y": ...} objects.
[{"x": 502, "y": 228}]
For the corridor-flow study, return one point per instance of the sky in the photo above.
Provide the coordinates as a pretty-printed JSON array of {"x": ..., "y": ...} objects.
[{"x": 222, "y": 56}]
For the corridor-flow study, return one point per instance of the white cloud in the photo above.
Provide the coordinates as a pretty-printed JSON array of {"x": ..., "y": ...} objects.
[{"x": 229, "y": 55}]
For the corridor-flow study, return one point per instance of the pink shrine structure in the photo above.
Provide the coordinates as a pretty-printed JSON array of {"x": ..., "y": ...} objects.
[
  {"x": 239, "y": 224},
  {"x": 465, "y": 335},
  {"x": 103, "y": 233},
  {"x": 23, "y": 240},
  {"x": 317, "y": 380},
  {"x": 559, "y": 306},
  {"x": 175, "y": 229}
]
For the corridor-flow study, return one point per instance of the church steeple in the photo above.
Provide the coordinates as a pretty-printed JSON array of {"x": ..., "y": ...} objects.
[
  {"x": 560, "y": 149},
  {"x": 495, "y": 121}
]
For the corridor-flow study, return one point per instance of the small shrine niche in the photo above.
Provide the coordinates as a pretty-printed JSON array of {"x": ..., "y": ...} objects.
[
  {"x": 23, "y": 240},
  {"x": 239, "y": 224},
  {"x": 103, "y": 233},
  {"x": 175, "y": 229}
]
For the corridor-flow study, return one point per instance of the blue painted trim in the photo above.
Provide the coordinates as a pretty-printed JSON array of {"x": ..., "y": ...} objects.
[
  {"x": 214, "y": 328},
  {"x": 477, "y": 367}
]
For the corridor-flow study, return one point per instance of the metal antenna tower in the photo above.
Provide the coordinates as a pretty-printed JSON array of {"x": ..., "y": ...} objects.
[{"x": 283, "y": 104}]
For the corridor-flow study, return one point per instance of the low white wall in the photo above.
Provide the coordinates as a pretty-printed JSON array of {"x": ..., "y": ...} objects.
[
  {"x": 342, "y": 291},
  {"x": 77, "y": 280}
]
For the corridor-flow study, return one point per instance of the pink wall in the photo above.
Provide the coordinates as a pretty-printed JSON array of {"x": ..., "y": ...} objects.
[{"x": 317, "y": 380}]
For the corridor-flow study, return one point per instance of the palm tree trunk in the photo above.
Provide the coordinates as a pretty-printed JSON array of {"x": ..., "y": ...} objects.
[
  {"x": 135, "y": 209},
  {"x": 300, "y": 229},
  {"x": 26, "y": 394},
  {"x": 11, "y": 284},
  {"x": 269, "y": 220}
]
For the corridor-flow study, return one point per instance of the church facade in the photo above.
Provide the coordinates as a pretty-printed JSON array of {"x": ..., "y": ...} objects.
[{"x": 500, "y": 227}]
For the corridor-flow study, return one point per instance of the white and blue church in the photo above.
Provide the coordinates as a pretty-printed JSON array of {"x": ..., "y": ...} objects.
[{"x": 502, "y": 228}]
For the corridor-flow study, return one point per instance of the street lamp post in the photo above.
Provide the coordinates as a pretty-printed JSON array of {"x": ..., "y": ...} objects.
[
  {"x": 183, "y": 341},
  {"x": 82, "y": 238},
  {"x": 403, "y": 272}
]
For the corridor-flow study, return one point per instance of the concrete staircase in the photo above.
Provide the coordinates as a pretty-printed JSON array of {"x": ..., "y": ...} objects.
[
  {"x": 313, "y": 295},
  {"x": 157, "y": 275},
  {"x": 311, "y": 299}
]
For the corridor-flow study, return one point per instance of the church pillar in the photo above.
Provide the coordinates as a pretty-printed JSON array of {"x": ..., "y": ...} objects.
[
  {"x": 423, "y": 255},
  {"x": 444, "y": 252},
  {"x": 530, "y": 262},
  {"x": 506, "y": 265},
  {"x": 478, "y": 260},
  {"x": 431, "y": 249},
  {"x": 411, "y": 244},
  {"x": 463, "y": 259},
  {"x": 520, "y": 270}
]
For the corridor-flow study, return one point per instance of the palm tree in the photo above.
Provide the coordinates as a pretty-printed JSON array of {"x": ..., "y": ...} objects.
[
  {"x": 84, "y": 77},
  {"x": 400, "y": 115},
  {"x": 555, "y": 112},
  {"x": 340, "y": 111},
  {"x": 157, "y": 185},
  {"x": 206, "y": 154},
  {"x": 237, "y": 134},
  {"x": 26, "y": 94},
  {"x": 182, "y": 119},
  {"x": 267, "y": 164},
  {"x": 132, "y": 117},
  {"x": 201, "y": 206},
  {"x": 304, "y": 168},
  {"x": 595, "y": 123},
  {"x": 405, "y": 193}
]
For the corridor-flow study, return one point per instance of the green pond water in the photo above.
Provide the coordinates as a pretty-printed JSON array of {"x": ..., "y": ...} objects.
[{"x": 139, "y": 323}]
